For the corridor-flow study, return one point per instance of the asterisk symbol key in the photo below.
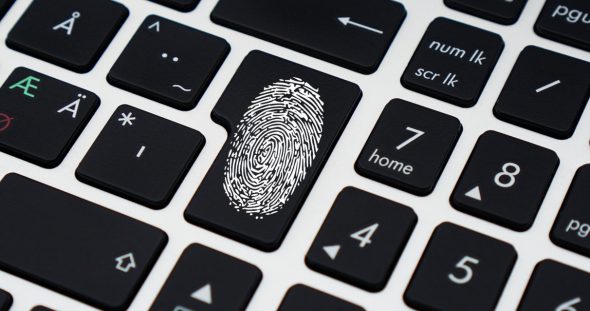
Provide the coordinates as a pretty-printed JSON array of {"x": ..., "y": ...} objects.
[{"x": 126, "y": 119}]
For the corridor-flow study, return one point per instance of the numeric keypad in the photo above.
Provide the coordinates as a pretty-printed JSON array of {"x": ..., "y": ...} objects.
[
  {"x": 505, "y": 180},
  {"x": 556, "y": 287},
  {"x": 409, "y": 147},
  {"x": 361, "y": 239},
  {"x": 461, "y": 270}
]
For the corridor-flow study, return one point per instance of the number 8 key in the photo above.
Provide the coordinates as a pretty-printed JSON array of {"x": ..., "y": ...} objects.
[{"x": 505, "y": 180}]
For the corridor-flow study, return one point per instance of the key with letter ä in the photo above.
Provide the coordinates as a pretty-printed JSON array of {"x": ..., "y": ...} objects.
[{"x": 283, "y": 121}]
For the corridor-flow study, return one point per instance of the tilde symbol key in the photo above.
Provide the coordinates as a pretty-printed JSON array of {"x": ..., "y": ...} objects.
[{"x": 68, "y": 25}]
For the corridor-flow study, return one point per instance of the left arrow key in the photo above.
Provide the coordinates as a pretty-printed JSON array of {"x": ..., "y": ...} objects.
[{"x": 74, "y": 247}]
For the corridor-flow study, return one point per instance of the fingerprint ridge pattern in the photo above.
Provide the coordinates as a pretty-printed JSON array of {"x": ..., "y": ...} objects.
[{"x": 273, "y": 146}]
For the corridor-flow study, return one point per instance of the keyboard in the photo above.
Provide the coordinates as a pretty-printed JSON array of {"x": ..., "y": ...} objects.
[{"x": 186, "y": 155}]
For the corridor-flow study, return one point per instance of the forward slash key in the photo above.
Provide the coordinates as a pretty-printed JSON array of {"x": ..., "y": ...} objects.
[{"x": 548, "y": 86}]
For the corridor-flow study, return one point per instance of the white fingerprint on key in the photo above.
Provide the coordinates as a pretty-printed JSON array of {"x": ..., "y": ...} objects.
[{"x": 274, "y": 144}]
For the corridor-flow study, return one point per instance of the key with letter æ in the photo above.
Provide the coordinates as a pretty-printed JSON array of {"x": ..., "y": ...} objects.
[
  {"x": 41, "y": 117},
  {"x": 361, "y": 239},
  {"x": 301, "y": 297},
  {"x": 207, "y": 280},
  {"x": 461, "y": 270},
  {"x": 74, "y": 246},
  {"x": 453, "y": 62},
  {"x": 556, "y": 287},
  {"x": 351, "y": 33},
  {"x": 283, "y": 121}
]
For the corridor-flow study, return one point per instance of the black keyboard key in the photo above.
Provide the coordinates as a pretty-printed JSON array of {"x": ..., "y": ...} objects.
[
  {"x": 300, "y": 297},
  {"x": 182, "y": 61},
  {"x": 69, "y": 33},
  {"x": 351, "y": 33},
  {"x": 572, "y": 227},
  {"x": 74, "y": 246},
  {"x": 207, "y": 280},
  {"x": 500, "y": 11},
  {"x": 555, "y": 286},
  {"x": 5, "y": 300},
  {"x": 180, "y": 5},
  {"x": 505, "y": 180},
  {"x": 141, "y": 156},
  {"x": 41, "y": 117},
  {"x": 4, "y": 6},
  {"x": 41, "y": 308},
  {"x": 453, "y": 62},
  {"x": 283, "y": 121},
  {"x": 461, "y": 270},
  {"x": 409, "y": 147},
  {"x": 545, "y": 92},
  {"x": 361, "y": 239},
  {"x": 565, "y": 21}
]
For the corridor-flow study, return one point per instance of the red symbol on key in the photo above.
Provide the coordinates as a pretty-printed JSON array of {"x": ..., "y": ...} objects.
[{"x": 5, "y": 121}]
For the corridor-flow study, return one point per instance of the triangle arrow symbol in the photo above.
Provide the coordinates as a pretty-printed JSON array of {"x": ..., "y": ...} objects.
[
  {"x": 474, "y": 193},
  {"x": 332, "y": 251},
  {"x": 155, "y": 25},
  {"x": 203, "y": 294}
]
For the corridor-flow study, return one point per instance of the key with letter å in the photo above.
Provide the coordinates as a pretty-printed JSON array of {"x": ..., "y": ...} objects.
[
  {"x": 283, "y": 121},
  {"x": 351, "y": 33},
  {"x": 74, "y": 246},
  {"x": 69, "y": 33}
]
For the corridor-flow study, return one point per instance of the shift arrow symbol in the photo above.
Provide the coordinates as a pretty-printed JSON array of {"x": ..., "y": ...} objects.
[{"x": 346, "y": 21}]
